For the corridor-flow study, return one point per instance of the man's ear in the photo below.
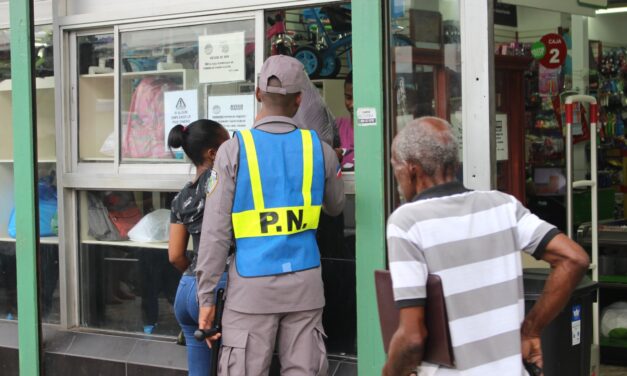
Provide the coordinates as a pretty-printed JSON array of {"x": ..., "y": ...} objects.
[
  {"x": 211, "y": 153},
  {"x": 258, "y": 95},
  {"x": 299, "y": 98}
]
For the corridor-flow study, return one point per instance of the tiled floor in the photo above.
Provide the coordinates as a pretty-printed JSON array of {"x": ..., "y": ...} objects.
[{"x": 612, "y": 371}]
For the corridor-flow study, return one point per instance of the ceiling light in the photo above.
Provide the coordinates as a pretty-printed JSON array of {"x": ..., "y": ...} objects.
[{"x": 612, "y": 10}]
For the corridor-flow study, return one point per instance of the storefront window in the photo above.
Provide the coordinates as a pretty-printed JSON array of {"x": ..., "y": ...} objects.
[
  {"x": 425, "y": 61},
  {"x": 176, "y": 75},
  {"x": 96, "y": 139},
  {"x": 126, "y": 281},
  {"x": 48, "y": 249}
]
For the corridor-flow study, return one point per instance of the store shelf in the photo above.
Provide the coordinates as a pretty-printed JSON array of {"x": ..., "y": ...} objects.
[
  {"x": 101, "y": 75},
  {"x": 613, "y": 342},
  {"x": 155, "y": 73},
  {"x": 43, "y": 240},
  {"x": 40, "y": 83},
  {"x": 127, "y": 243},
  {"x": 46, "y": 160},
  {"x": 96, "y": 159}
]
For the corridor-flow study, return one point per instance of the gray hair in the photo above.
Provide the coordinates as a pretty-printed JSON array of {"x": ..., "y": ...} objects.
[{"x": 422, "y": 142}]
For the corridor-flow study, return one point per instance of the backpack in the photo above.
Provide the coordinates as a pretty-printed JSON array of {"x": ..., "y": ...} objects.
[
  {"x": 123, "y": 211},
  {"x": 100, "y": 226}
]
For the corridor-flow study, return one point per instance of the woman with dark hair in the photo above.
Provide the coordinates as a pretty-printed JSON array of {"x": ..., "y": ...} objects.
[{"x": 200, "y": 141}]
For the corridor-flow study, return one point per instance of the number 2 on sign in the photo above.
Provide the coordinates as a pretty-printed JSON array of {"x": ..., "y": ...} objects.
[{"x": 555, "y": 56}]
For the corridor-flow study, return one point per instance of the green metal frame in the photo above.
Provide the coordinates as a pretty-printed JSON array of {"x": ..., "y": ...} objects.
[
  {"x": 25, "y": 173},
  {"x": 368, "y": 88}
]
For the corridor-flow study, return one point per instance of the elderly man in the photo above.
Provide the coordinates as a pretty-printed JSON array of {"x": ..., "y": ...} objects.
[
  {"x": 271, "y": 183},
  {"x": 472, "y": 240}
]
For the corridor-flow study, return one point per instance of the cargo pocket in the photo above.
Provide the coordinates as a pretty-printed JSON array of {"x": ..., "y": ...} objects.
[
  {"x": 323, "y": 363},
  {"x": 233, "y": 352}
]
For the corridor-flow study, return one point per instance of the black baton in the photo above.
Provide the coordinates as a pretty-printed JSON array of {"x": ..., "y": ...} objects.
[{"x": 202, "y": 334}]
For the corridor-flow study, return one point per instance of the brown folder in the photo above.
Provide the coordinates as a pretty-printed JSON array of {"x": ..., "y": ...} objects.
[{"x": 438, "y": 349}]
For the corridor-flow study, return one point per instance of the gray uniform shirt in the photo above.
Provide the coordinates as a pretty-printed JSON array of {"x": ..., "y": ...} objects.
[{"x": 299, "y": 291}]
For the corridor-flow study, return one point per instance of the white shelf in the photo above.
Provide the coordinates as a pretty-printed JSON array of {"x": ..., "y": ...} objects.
[
  {"x": 101, "y": 75},
  {"x": 42, "y": 240},
  {"x": 96, "y": 159},
  {"x": 40, "y": 83},
  {"x": 128, "y": 243},
  {"x": 39, "y": 161},
  {"x": 154, "y": 73}
]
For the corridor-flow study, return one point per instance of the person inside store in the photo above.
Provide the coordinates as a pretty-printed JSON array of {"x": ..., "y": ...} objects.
[
  {"x": 345, "y": 128},
  {"x": 478, "y": 262},
  {"x": 200, "y": 141},
  {"x": 271, "y": 207}
]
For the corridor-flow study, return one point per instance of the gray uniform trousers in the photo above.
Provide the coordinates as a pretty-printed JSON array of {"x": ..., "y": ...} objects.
[{"x": 248, "y": 342}]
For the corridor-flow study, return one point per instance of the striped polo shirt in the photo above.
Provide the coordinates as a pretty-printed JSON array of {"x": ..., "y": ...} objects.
[{"x": 472, "y": 240}]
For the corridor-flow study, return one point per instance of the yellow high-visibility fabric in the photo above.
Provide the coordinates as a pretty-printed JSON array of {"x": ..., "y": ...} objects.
[
  {"x": 275, "y": 221},
  {"x": 262, "y": 221}
]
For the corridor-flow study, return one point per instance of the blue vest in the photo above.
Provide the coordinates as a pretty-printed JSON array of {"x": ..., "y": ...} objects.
[{"x": 278, "y": 197}]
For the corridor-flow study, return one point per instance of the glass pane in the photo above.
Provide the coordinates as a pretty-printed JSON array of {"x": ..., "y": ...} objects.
[
  {"x": 425, "y": 56},
  {"x": 48, "y": 251},
  {"x": 161, "y": 84},
  {"x": 96, "y": 142},
  {"x": 5, "y": 55},
  {"x": 126, "y": 285}
]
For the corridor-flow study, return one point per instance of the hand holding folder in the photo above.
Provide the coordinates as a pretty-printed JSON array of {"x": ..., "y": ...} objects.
[{"x": 438, "y": 349}]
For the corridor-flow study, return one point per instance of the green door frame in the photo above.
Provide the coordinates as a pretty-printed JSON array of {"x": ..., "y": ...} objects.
[
  {"x": 25, "y": 178},
  {"x": 368, "y": 89}
]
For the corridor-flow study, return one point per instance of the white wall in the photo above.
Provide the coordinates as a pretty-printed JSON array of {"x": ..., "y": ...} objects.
[{"x": 611, "y": 29}]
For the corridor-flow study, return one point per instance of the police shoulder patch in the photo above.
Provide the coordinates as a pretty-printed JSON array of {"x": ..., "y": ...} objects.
[{"x": 212, "y": 182}]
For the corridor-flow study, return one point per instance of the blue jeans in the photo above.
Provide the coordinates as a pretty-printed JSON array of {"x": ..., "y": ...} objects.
[{"x": 186, "y": 311}]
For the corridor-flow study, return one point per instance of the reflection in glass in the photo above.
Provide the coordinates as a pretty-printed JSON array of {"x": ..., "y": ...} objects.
[
  {"x": 46, "y": 152},
  {"x": 425, "y": 56},
  {"x": 126, "y": 285},
  {"x": 161, "y": 84}
]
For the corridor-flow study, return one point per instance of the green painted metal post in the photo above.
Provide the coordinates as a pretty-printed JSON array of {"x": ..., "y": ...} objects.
[
  {"x": 369, "y": 177},
  {"x": 25, "y": 173}
]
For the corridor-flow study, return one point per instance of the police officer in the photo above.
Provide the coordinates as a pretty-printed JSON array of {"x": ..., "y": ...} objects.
[{"x": 269, "y": 186}]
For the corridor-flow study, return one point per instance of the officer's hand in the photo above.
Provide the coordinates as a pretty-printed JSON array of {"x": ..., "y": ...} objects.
[
  {"x": 205, "y": 321},
  {"x": 532, "y": 350}
]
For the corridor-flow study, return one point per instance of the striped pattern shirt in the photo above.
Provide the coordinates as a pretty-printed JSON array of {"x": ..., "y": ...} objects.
[{"x": 472, "y": 240}]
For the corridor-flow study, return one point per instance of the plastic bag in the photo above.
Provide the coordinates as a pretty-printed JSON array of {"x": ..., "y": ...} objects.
[
  {"x": 154, "y": 227},
  {"x": 614, "y": 320},
  {"x": 47, "y": 208},
  {"x": 108, "y": 146}
]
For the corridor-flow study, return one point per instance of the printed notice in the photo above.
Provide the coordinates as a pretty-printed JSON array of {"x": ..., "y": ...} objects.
[
  {"x": 180, "y": 107},
  {"x": 501, "y": 138},
  {"x": 576, "y": 324},
  {"x": 234, "y": 112},
  {"x": 221, "y": 58},
  {"x": 366, "y": 116}
]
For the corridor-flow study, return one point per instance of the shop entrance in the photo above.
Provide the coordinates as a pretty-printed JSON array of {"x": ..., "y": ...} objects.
[{"x": 320, "y": 37}]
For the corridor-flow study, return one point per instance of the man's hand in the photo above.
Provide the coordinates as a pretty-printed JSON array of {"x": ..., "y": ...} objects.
[
  {"x": 205, "y": 321},
  {"x": 532, "y": 350}
]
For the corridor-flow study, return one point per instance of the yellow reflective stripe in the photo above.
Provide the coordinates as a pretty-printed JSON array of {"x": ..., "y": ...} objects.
[
  {"x": 275, "y": 221},
  {"x": 307, "y": 166},
  {"x": 253, "y": 169}
]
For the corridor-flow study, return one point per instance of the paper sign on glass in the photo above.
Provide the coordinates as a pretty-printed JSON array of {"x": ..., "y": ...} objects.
[
  {"x": 234, "y": 112},
  {"x": 180, "y": 107},
  {"x": 221, "y": 58}
]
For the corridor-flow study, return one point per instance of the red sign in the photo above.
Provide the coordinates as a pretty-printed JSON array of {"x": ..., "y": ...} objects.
[{"x": 556, "y": 51}]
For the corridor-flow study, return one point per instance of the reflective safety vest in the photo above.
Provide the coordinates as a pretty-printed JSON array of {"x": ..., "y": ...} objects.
[{"x": 278, "y": 197}]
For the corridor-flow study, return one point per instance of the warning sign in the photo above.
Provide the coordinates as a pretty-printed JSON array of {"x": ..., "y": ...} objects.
[{"x": 180, "y": 107}]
